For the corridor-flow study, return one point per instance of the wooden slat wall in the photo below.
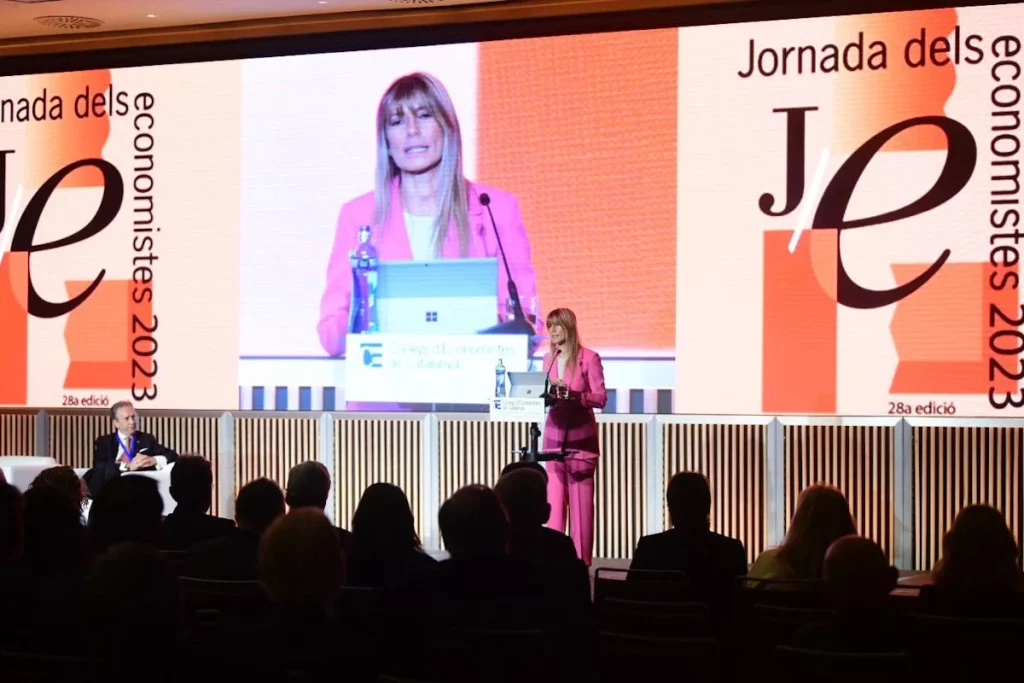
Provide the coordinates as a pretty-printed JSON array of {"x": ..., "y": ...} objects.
[
  {"x": 857, "y": 459},
  {"x": 18, "y": 434},
  {"x": 959, "y": 466},
  {"x": 620, "y": 489},
  {"x": 72, "y": 436},
  {"x": 733, "y": 457},
  {"x": 367, "y": 451},
  {"x": 271, "y": 446}
]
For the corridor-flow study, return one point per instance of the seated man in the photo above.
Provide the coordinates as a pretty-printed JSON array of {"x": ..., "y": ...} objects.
[
  {"x": 309, "y": 486},
  {"x": 233, "y": 557},
  {"x": 124, "y": 450},
  {"x": 523, "y": 492},
  {"x": 192, "y": 490}
]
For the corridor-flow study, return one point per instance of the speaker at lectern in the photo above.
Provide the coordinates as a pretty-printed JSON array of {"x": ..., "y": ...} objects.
[{"x": 527, "y": 401}]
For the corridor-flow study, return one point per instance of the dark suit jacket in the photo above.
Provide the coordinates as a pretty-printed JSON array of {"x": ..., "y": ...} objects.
[
  {"x": 104, "y": 455},
  {"x": 183, "y": 529},
  {"x": 542, "y": 545},
  {"x": 229, "y": 558},
  {"x": 711, "y": 561}
]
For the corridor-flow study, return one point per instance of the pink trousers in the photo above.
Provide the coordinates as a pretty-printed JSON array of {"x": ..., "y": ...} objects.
[{"x": 571, "y": 488}]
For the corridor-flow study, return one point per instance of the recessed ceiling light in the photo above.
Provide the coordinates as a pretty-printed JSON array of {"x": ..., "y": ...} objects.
[
  {"x": 322, "y": 2},
  {"x": 151, "y": 16}
]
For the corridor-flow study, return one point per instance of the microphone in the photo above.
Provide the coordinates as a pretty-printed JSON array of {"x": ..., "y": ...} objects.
[{"x": 520, "y": 325}]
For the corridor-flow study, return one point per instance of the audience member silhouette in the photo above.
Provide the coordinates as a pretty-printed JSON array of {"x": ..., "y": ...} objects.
[
  {"x": 11, "y": 526},
  {"x": 523, "y": 492},
  {"x": 978, "y": 572},
  {"x": 233, "y": 557},
  {"x": 126, "y": 509},
  {"x": 387, "y": 548},
  {"x": 192, "y": 490},
  {"x": 132, "y": 606},
  {"x": 710, "y": 560},
  {"x": 309, "y": 486},
  {"x": 822, "y": 516},
  {"x": 54, "y": 538},
  {"x": 64, "y": 479},
  {"x": 857, "y": 580}
]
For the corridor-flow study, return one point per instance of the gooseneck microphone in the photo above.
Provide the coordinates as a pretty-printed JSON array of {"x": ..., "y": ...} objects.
[{"x": 513, "y": 291}]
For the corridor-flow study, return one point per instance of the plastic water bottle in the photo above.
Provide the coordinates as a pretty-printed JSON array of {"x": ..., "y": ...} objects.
[
  {"x": 364, "y": 258},
  {"x": 499, "y": 380}
]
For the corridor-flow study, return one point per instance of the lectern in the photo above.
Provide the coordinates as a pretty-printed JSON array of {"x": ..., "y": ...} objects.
[{"x": 527, "y": 402}]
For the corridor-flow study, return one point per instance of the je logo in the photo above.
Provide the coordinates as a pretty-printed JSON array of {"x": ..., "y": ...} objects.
[{"x": 371, "y": 352}]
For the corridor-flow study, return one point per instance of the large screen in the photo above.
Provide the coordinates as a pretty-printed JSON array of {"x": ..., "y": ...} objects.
[{"x": 811, "y": 216}]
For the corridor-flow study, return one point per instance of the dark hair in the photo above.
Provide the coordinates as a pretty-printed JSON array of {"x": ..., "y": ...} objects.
[
  {"x": 524, "y": 465},
  {"x": 689, "y": 500},
  {"x": 979, "y": 554},
  {"x": 258, "y": 504},
  {"x": 127, "y": 508},
  {"x": 63, "y": 479},
  {"x": 473, "y": 523},
  {"x": 309, "y": 485},
  {"x": 383, "y": 520},
  {"x": 54, "y": 536},
  {"x": 192, "y": 482},
  {"x": 523, "y": 492},
  {"x": 822, "y": 517},
  {"x": 11, "y": 510}
]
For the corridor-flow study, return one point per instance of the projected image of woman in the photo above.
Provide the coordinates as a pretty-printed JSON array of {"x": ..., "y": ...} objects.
[{"x": 422, "y": 206}]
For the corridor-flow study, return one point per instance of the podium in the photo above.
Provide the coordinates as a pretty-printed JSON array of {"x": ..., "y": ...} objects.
[{"x": 533, "y": 411}]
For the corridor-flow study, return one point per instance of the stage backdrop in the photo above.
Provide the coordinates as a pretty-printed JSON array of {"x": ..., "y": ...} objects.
[{"x": 806, "y": 216}]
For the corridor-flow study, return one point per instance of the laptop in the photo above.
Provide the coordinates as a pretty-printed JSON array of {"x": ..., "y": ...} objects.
[
  {"x": 526, "y": 384},
  {"x": 449, "y": 296}
]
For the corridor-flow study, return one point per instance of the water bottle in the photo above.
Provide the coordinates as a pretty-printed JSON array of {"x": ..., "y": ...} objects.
[
  {"x": 510, "y": 309},
  {"x": 499, "y": 380},
  {"x": 364, "y": 258}
]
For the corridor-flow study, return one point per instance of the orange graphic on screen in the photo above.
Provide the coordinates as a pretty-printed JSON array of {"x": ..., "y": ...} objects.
[
  {"x": 942, "y": 333},
  {"x": 864, "y": 103},
  {"x": 14, "y": 337},
  {"x": 99, "y": 336}
]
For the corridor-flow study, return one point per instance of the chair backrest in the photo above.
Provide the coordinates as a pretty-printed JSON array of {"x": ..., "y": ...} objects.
[
  {"x": 34, "y": 667},
  {"x": 642, "y": 617},
  {"x": 641, "y": 584},
  {"x": 657, "y": 659},
  {"x": 461, "y": 654},
  {"x": 176, "y": 558},
  {"x": 213, "y": 605},
  {"x": 798, "y": 665}
]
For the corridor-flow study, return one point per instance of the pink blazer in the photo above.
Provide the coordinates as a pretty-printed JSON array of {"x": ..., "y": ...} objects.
[
  {"x": 572, "y": 423},
  {"x": 393, "y": 243}
]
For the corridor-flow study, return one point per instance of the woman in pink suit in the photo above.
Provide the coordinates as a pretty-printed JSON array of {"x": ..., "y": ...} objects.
[
  {"x": 422, "y": 207},
  {"x": 577, "y": 375}
]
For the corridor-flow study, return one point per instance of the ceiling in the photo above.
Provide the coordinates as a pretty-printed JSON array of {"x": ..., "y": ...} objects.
[{"x": 20, "y": 18}]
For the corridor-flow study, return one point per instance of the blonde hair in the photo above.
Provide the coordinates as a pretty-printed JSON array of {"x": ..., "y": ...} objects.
[
  {"x": 567, "y": 319},
  {"x": 300, "y": 560},
  {"x": 822, "y": 516},
  {"x": 453, "y": 195}
]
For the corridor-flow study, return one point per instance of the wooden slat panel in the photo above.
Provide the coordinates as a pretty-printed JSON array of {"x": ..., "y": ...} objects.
[
  {"x": 18, "y": 434},
  {"x": 271, "y": 446},
  {"x": 733, "y": 458},
  {"x": 377, "y": 450},
  {"x": 620, "y": 489},
  {"x": 959, "y": 466},
  {"x": 475, "y": 451},
  {"x": 856, "y": 459},
  {"x": 72, "y": 435}
]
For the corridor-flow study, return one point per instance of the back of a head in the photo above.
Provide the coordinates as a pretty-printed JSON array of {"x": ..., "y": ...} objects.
[
  {"x": 127, "y": 508},
  {"x": 822, "y": 516},
  {"x": 383, "y": 520},
  {"x": 524, "y": 492},
  {"x": 64, "y": 479},
  {"x": 11, "y": 509},
  {"x": 258, "y": 504},
  {"x": 54, "y": 537},
  {"x": 524, "y": 465},
  {"x": 689, "y": 500},
  {"x": 301, "y": 565},
  {"x": 473, "y": 524},
  {"x": 309, "y": 485},
  {"x": 192, "y": 483},
  {"x": 131, "y": 591},
  {"x": 979, "y": 554},
  {"x": 857, "y": 574}
]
